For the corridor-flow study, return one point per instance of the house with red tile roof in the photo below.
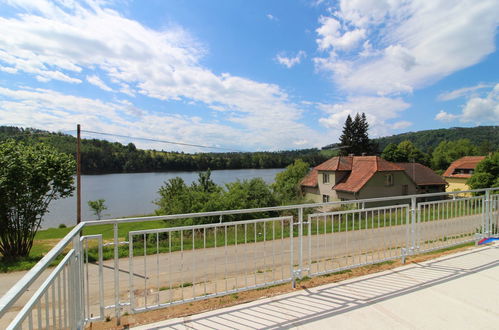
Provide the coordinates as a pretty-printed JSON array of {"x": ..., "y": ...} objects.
[
  {"x": 460, "y": 171},
  {"x": 361, "y": 177}
]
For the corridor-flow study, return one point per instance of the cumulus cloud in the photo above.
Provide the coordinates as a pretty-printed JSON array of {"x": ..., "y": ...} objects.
[
  {"x": 415, "y": 42},
  {"x": 290, "y": 62},
  {"x": 381, "y": 112},
  {"x": 483, "y": 110},
  {"x": 445, "y": 116},
  {"x": 74, "y": 41},
  {"x": 333, "y": 36},
  {"x": 477, "y": 110}
]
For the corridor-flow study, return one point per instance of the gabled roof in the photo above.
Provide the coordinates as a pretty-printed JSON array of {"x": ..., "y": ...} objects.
[
  {"x": 311, "y": 179},
  {"x": 363, "y": 169},
  {"x": 421, "y": 175},
  {"x": 340, "y": 163},
  {"x": 465, "y": 163}
]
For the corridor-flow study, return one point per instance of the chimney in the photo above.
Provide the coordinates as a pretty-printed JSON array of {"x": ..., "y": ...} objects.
[{"x": 350, "y": 155}]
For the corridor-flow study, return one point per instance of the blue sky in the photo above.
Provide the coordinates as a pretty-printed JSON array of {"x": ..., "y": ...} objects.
[{"x": 248, "y": 75}]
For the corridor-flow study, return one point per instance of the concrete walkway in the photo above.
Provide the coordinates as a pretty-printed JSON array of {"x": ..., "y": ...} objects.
[{"x": 459, "y": 291}]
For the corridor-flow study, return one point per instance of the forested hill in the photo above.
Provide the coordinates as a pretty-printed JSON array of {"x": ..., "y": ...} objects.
[
  {"x": 429, "y": 139},
  {"x": 100, "y": 156}
]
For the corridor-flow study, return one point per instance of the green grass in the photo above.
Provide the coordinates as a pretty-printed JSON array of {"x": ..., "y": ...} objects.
[{"x": 450, "y": 248}]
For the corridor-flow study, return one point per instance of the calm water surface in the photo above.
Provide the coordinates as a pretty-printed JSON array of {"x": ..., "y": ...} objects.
[{"x": 133, "y": 193}]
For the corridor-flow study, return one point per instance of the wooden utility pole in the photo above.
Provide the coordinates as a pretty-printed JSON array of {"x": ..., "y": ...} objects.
[{"x": 78, "y": 176}]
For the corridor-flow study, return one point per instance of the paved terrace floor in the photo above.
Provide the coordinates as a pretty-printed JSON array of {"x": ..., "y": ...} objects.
[{"x": 459, "y": 291}]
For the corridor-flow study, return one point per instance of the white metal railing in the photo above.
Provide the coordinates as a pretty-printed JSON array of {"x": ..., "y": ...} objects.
[
  {"x": 348, "y": 239},
  {"x": 156, "y": 268},
  {"x": 188, "y": 263}
]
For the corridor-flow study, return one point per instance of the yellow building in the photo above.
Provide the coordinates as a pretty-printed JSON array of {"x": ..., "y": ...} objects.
[{"x": 460, "y": 171}]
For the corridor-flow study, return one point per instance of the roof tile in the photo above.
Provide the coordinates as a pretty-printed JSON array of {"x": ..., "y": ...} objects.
[{"x": 467, "y": 162}]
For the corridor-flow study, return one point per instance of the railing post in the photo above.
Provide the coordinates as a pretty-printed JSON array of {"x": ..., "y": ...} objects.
[
  {"x": 292, "y": 249},
  {"x": 413, "y": 224},
  {"x": 300, "y": 234},
  {"x": 77, "y": 284},
  {"x": 116, "y": 275},
  {"x": 488, "y": 215}
]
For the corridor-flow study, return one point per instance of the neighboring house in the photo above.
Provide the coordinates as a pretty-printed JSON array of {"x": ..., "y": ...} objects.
[
  {"x": 361, "y": 177},
  {"x": 460, "y": 171}
]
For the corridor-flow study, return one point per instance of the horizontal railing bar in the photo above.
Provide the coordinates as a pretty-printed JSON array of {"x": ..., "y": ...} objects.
[
  {"x": 275, "y": 208},
  {"x": 214, "y": 295},
  {"x": 41, "y": 290},
  {"x": 340, "y": 269},
  {"x": 451, "y": 200},
  {"x": 22, "y": 285},
  {"x": 90, "y": 237},
  {"x": 209, "y": 225},
  {"x": 444, "y": 246},
  {"x": 399, "y": 206}
]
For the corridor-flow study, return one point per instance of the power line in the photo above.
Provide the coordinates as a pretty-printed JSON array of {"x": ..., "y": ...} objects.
[{"x": 161, "y": 141}]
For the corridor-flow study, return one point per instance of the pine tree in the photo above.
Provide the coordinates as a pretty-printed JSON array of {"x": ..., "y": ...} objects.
[
  {"x": 355, "y": 139},
  {"x": 346, "y": 137}
]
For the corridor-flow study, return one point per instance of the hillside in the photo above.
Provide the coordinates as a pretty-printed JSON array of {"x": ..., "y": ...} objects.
[
  {"x": 101, "y": 156},
  {"x": 429, "y": 139}
]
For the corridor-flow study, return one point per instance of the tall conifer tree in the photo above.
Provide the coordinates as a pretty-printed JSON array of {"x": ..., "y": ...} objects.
[{"x": 355, "y": 139}]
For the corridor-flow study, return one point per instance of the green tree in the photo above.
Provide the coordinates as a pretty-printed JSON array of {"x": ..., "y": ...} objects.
[
  {"x": 355, "y": 139},
  {"x": 248, "y": 194},
  {"x": 391, "y": 153},
  {"x": 448, "y": 151},
  {"x": 404, "y": 152},
  {"x": 31, "y": 176},
  {"x": 486, "y": 173},
  {"x": 286, "y": 186},
  {"x": 97, "y": 207},
  {"x": 202, "y": 196}
]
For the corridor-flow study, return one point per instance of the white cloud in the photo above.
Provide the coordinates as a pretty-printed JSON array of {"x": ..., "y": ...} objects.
[
  {"x": 483, "y": 110},
  {"x": 461, "y": 92},
  {"x": 271, "y": 17},
  {"x": 417, "y": 42},
  {"x": 445, "y": 116},
  {"x": 95, "y": 80},
  {"x": 71, "y": 41},
  {"x": 290, "y": 62},
  {"x": 332, "y": 35},
  {"x": 477, "y": 110},
  {"x": 55, "y": 111},
  {"x": 380, "y": 111},
  {"x": 401, "y": 124}
]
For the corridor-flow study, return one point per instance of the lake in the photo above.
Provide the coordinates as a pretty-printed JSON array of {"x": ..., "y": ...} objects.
[{"x": 129, "y": 194}]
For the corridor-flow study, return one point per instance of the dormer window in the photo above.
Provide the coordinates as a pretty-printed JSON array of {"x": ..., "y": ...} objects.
[
  {"x": 325, "y": 178},
  {"x": 389, "y": 180}
]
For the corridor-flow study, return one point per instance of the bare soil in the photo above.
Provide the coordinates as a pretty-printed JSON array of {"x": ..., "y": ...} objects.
[{"x": 197, "y": 307}]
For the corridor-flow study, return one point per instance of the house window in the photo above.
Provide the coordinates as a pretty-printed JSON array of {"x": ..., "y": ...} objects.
[
  {"x": 325, "y": 198},
  {"x": 389, "y": 180},
  {"x": 325, "y": 178},
  {"x": 405, "y": 189}
]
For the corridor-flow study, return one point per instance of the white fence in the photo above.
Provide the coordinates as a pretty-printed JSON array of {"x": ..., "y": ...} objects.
[{"x": 156, "y": 268}]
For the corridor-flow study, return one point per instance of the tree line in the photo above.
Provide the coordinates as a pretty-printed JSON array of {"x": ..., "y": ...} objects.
[{"x": 100, "y": 156}]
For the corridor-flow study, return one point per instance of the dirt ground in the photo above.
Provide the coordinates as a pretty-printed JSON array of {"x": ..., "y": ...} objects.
[{"x": 197, "y": 307}]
